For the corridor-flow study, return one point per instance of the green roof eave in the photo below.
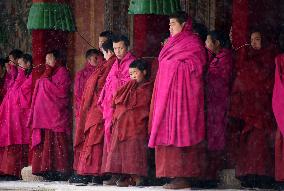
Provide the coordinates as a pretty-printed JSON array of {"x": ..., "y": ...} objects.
[
  {"x": 52, "y": 16},
  {"x": 157, "y": 7}
]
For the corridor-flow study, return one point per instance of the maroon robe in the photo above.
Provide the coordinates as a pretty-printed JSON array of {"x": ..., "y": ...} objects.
[
  {"x": 89, "y": 134},
  {"x": 251, "y": 108},
  {"x": 218, "y": 82},
  {"x": 128, "y": 149}
]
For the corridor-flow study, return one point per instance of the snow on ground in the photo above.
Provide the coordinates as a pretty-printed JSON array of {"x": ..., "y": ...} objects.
[{"x": 65, "y": 186}]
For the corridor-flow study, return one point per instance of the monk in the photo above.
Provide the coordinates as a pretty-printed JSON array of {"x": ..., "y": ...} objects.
[
  {"x": 81, "y": 78},
  {"x": 218, "y": 86},
  {"x": 128, "y": 149},
  {"x": 252, "y": 112},
  {"x": 51, "y": 121},
  {"x": 14, "y": 132},
  {"x": 11, "y": 68},
  {"x": 117, "y": 77},
  {"x": 103, "y": 37},
  {"x": 3, "y": 61},
  {"x": 278, "y": 109},
  {"x": 90, "y": 124},
  {"x": 177, "y": 116}
]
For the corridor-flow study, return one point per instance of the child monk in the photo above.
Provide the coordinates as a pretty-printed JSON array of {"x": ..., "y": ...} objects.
[{"x": 128, "y": 148}]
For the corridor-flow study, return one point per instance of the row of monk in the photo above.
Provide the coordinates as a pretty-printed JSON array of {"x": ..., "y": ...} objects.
[{"x": 200, "y": 107}]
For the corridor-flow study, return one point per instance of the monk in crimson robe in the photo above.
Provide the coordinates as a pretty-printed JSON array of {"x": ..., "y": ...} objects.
[
  {"x": 51, "y": 121},
  {"x": 278, "y": 109},
  {"x": 252, "y": 112},
  {"x": 90, "y": 130},
  {"x": 218, "y": 86},
  {"x": 81, "y": 78},
  {"x": 128, "y": 149},
  {"x": 117, "y": 77},
  {"x": 14, "y": 132},
  {"x": 177, "y": 116}
]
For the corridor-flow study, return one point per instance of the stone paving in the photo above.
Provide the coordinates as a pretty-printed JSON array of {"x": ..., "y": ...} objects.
[{"x": 65, "y": 186}]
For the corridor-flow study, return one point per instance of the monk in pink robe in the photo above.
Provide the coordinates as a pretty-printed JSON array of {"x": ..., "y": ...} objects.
[
  {"x": 81, "y": 78},
  {"x": 251, "y": 109},
  {"x": 117, "y": 77},
  {"x": 218, "y": 86},
  {"x": 51, "y": 121},
  {"x": 14, "y": 132},
  {"x": 278, "y": 109},
  {"x": 90, "y": 132},
  {"x": 177, "y": 121},
  {"x": 11, "y": 68}
]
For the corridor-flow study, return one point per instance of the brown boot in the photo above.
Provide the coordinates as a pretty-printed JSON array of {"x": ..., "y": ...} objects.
[
  {"x": 177, "y": 183},
  {"x": 112, "y": 181},
  {"x": 125, "y": 181}
]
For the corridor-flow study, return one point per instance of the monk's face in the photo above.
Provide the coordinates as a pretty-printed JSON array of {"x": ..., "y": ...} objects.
[
  {"x": 50, "y": 60},
  {"x": 102, "y": 39},
  {"x": 120, "y": 49},
  {"x": 23, "y": 64},
  {"x": 213, "y": 46},
  {"x": 255, "y": 40},
  {"x": 93, "y": 60},
  {"x": 136, "y": 74},
  {"x": 12, "y": 60},
  {"x": 175, "y": 26}
]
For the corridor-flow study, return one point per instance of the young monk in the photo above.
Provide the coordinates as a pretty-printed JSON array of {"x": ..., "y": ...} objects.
[
  {"x": 128, "y": 149},
  {"x": 14, "y": 132},
  {"x": 81, "y": 78},
  {"x": 251, "y": 109},
  {"x": 117, "y": 77},
  {"x": 218, "y": 86},
  {"x": 51, "y": 121},
  {"x": 90, "y": 124},
  {"x": 177, "y": 116},
  {"x": 278, "y": 109}
]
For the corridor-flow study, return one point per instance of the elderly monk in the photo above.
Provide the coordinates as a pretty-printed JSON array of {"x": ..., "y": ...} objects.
[{"x": 178, "y": 124}]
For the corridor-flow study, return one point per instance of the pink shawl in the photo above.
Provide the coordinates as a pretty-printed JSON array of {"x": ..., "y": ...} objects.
[
  {"x": 218, "y": 83},
  {"x": 51, "y": 105},
  {"x": 14, "y": 112},
  {"x": 178, "y": 97},
  {"x": 118, "y": 76},
  {"x": 278, "y": 93}
]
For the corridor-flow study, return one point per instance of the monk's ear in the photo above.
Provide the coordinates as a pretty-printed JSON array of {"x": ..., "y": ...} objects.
[{"x": 144, "y": 72}]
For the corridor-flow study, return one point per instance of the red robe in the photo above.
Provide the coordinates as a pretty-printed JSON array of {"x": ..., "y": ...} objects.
[
  {"x": 128, "y": 149},
  {"x": 89, "y": 134},
  {"x": 252, "y": 111},
  {"x": 278, "y": 109},
  {"x": 218, "y": 86},
  {"x": 51, "y": 122}
]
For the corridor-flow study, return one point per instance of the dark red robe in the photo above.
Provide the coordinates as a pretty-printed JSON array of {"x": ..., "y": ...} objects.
[
  {"x": 128, "y": 149},
  {"x": 252, "y": 111},
  {"x": 89, "y": 134}
]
